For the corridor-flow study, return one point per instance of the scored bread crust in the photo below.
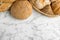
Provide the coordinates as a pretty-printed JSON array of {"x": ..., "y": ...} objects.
[
  {"x": 7, "y": 1},
  {"x": 42, "y": 11},
  {"x": 56, "y": 7},
  {"x": 5, "y": 5}
]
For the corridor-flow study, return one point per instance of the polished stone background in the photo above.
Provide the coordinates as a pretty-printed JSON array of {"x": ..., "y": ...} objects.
[{"x": 36, "y": 27}]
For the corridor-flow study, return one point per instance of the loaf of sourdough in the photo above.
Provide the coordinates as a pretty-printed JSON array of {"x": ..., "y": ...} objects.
[
  {"x": 5, "y": 5},
  {"x": 56, "y": 7},
  {"x": 43, "y": 7},
  {"x": 21, "y": 9}
]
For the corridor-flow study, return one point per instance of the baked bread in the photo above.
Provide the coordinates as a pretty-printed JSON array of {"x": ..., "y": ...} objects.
[
  {"x": 23, "y": 0},
  {"x": 43, "y": 7},
  {"x": 21, "y": 9},
  {"x": 56, "y": 7},
  {"x": 7, "y": 1},
  {"x": 5, "y": 5},
  {"x": 54, "y": 0}
]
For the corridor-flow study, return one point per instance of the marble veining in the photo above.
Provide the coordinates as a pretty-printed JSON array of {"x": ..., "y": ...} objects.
[{"x": 36, "y": 27}]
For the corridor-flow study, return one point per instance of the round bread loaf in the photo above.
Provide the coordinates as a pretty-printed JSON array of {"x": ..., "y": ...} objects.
[
  {"x": 21, "y": 9},
  {"x": 5, "y": 5}
]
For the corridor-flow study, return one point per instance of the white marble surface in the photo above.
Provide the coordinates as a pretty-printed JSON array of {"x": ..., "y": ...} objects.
[{"x": 36, "y": 27}]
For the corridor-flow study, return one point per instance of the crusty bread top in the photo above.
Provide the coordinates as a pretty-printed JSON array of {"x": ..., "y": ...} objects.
[
  {"x": 40, "y": 3},
  {"x": 7, "y": 0}
]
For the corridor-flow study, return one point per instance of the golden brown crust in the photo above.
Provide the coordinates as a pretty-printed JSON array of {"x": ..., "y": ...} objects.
[
  {"x": 56, "y": 7},
  {"x": 5, "y": 5},
  {"x": 23, "y": 0},
  {"x": 21, "y": 9},
  {"x": 54, "y": 0},
  {"x": 8, "y": 1},
  {"x": 47, "y": 10}
]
